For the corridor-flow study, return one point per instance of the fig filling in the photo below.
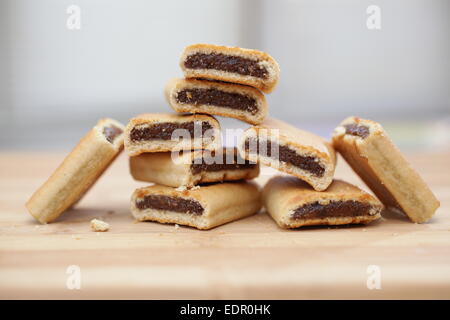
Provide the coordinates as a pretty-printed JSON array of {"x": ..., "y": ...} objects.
[
  {"x": 348, "y": 208},
  {"x": 357, "y": 130},
  {"x": 285, "y": 154},
  {"x": 111, "y": 133},
  {"x": 228, "y": 63},
  {"x": 209, "y": 165},
  {"x": 176, "y": 204},
  {"x": 218, "y": 98},
  {"x": 164, "y": 130}
]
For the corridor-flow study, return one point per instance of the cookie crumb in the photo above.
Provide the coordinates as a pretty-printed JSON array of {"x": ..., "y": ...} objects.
[
  {"x": 181, "y": 188},
  {"x": 99, "y": 225},
  {"x": 195, "y": 188},
  {"x": 177, "y": 226}
]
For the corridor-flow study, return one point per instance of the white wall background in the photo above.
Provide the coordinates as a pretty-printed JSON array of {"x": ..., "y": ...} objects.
[
  {"x": 55, "y": 83},
  {"x": 334, "y": 66}
]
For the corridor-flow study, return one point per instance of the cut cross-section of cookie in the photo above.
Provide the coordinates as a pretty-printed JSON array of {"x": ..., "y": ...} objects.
[
  {"x": 291, "y": 150},
  {"x": 292, "y": 203},
  {"x": 190, "y": 168},
  {"x": 231, "y": 64},
  {"x": 79, "y": 170},
  {"x": 367, "y": 148},
  {"x": 160, "y": 132},
  {"x": 217, "y": 98},
  {"x": 202, "y": 207}
]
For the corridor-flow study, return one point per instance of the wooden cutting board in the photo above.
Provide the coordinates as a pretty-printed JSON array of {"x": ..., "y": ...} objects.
[{"x": 247, "y": 259}]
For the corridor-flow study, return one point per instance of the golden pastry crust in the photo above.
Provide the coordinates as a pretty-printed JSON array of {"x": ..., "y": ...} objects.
[
  {"x": 266, "y": 85},
  {"x": 163, "y": 169},
  {"x": 222, "y": 203},
  {"x": 302, "y": 142},
  {"x": 210, "y": 141},
  {"x": 77, "y": 173},
  {"x": 176, "y": 85},
  {"x": 384, "y": 169},
  {"x": 283, "y": 194}
]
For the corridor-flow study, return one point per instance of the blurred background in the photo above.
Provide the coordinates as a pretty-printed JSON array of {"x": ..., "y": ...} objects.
[{"x": 56, "y": 82}]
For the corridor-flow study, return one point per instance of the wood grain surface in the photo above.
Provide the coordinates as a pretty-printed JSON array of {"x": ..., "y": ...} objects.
[{"x": 247, "y": 259}]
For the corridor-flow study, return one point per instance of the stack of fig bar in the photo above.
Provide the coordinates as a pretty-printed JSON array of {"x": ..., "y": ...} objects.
[
  {"x": 198, "y": 182},
  {"x": 201, "y": 184}
]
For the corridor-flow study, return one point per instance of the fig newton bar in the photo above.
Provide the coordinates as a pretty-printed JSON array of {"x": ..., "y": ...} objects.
[
  {"x": 288, "y": 149},
  {"x": 217, "y": 98},
  {"x": 230, "y": 64},
  {"x": 78, "y": 172},
  {"x": 202, "y": 207},
  {"x": 160, "y": 132},
  {"x": 367, "y": 148},
  {"x": 292, "y": 203},
  {"x": 192, "y": 167}
]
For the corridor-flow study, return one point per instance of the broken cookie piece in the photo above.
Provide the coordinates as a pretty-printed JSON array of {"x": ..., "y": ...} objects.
[
  {"x": 288, "y": 149},
  {"x": 367, "y": 148},
  {"x": 203, "y": 208},
  {"x": 292, "y": 203},
  {"x": 231, "y": 64},
  {"x": 217, "y": 98}
]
